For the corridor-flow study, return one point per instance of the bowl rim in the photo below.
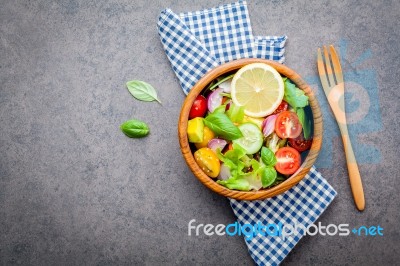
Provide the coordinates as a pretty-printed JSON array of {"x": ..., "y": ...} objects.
[{"x": 263, "y": 193}]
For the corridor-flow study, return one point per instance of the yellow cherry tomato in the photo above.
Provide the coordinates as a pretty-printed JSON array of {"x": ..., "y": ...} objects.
[
  {"x": 207, "y": 136},
  {"x": 208, "y": 162}
]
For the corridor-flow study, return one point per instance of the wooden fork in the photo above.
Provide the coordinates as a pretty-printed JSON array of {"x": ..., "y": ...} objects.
[{"x": 332, "y": 83}]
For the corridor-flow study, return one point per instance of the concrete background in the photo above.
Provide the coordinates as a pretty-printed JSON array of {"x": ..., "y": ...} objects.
[{"x": 74, "y": 190}]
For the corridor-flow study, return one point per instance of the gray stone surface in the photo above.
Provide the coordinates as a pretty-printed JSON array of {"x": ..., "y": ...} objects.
[{"x": 74, "y": 190}]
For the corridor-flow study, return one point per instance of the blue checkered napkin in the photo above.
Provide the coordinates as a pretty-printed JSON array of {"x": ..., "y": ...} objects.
[
  {"x": 196, "y": 42},
  {"x": 302, "y": 204}
]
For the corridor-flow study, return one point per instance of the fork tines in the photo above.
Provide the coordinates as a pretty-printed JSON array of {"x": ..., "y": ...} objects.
[{"x": 328, "y": 77}]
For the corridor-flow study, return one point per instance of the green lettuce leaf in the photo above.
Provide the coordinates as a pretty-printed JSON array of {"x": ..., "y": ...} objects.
[
  {"x": 305, "y": 122},
  {"x": 294, "y": 96},
  {"x": 235, "y": 183},
  {"x": 235, "y": 113}
]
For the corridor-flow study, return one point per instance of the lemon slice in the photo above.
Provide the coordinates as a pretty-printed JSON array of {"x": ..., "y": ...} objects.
[{"x": 259, "y": 88}]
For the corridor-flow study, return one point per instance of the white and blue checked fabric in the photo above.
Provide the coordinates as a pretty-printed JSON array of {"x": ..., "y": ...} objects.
[
  {"x": 302, "y": 204},
  {"x": 195, "y": 43}
]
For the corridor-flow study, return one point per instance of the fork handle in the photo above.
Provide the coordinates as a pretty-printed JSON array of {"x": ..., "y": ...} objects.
[{"x": 354, "y": 173}]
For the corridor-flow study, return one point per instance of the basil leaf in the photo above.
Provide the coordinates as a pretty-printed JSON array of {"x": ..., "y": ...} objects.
[
  {"x": 268, "y": 157},
  {"x": 142, "y": 91},
  {"x": 305, "y": 123},
  {"x": 279, "y": 179},
  {"x": 222, "y": 126},
  {"x": 235, "y": 113},
  {"x": 268, "y": 176},
  {"x": 135, "y": 128},
  {"x": 293, "y": 95}
]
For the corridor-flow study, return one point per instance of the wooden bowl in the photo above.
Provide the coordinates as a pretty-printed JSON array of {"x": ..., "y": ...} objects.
[{"x": 263, "y": 193}]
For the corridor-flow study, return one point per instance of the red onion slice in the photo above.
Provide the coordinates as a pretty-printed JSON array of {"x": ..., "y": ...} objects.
[
  {"x": 215, "y": 144},
  {"x": 214, "y": 100},
  {"x": 224, "y": 173},
  {"x": 268, "y": 125}
]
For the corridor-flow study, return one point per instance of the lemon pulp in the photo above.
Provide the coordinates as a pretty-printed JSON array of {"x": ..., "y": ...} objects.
[{"x": 259, "y": 88}]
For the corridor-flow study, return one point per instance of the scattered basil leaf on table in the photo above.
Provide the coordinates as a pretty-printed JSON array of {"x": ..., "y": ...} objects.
[
  {"x": 135, "y": 128},
  {"x": 268, "y": 157},
  {"x": 142, "y": 91},
  {"x": 222, "y": 126}
]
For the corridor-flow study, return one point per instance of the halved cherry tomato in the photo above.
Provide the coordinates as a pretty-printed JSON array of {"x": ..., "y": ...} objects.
[
  {"x": 287, "y": 125},
  {"x": 288, "y": 160},
  {"x": 199, "y": 107},
  {"x": 300, "y": 144},
  {"x": 282, "y": 107},
  {"x": 208, "y": 161}
]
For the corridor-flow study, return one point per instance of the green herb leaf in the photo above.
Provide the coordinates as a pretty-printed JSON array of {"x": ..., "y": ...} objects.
[
  {"x": 255, "y": 165},
  {"x": 220, "y": 109},
  {"x": 236, "y": 153},
  {"x": 279, "y": 179},
  {"x": 228, "y": 95},
  {"x": 222, "y": 126},
  {"x": 232, "y": 159},
  {"x": 220, "y": 81},
  {"x": 268, "y": 157},
  {"x": 305, "y": 122},
  {"x": 274, "y": 143},
  {"x": 254, "y": 180},
  {"x": 294, "y": 96},
  {"x": 235, "y": 183},
  {"x": 268, "y": 176},
  {"x": 142, "y": 91},
  {"x": 235, "y": 113},
  {"x": 135, "y": 128}
]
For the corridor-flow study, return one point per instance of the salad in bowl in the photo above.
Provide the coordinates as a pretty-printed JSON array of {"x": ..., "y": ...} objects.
[{"x": 247, "y": 129}]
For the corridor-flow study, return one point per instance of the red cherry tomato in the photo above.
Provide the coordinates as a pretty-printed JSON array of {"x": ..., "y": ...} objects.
[
  {"x": 287, "y": 125},
  {"x": 282, "y": 107},
  {"x": 300, "y": 144},
  {"x": 288, "y": 160},
  {"x": 199, "y": 107}
]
